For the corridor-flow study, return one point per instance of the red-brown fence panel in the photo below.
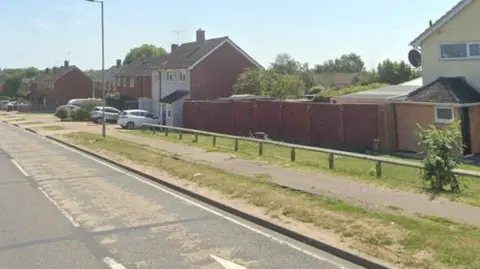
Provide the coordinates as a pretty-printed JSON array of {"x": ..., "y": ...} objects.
[
  {"x": 190, "y": 115},
  {"x": 360, "y": 123},
  {"x": 326, "y": 125},
  {"x": 221, "y": 117},
  {"x": 244, "y": 121},
  {"x": 204, "y": 116},
  {"x": 268, "y": 118},
  {"x": 295, "y": 123}
]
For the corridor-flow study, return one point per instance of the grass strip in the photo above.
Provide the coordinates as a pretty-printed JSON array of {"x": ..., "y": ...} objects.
[
  {"x": 393, "y": 176},
  {"x": 423, "y": 242}
]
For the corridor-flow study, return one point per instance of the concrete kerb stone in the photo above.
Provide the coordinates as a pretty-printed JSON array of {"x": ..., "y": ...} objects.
[
  {"x": 355, "y": 259},
  {"x": 340, "y": 253}
]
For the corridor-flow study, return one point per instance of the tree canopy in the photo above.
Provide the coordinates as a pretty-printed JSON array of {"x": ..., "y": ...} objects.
[
  {"x": 13, "y": 80},
  {"x": 287, "y": 77},
  {"x": 145, "y": 50}
]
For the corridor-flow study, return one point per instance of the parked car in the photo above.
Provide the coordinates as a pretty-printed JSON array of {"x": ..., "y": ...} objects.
[
  {"x": 111, "y": 114},
  {"x": 3, "y": 104},
  {"x": 11, "y": 106},
  {"x": 85, "y": 101},
  {"x": 135, "y": 118}
]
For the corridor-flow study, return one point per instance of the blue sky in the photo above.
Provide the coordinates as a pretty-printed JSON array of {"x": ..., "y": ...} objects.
[{"x": 43, "y": 33}]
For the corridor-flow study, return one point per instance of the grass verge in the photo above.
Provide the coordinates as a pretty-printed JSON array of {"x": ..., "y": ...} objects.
[
  {"x": 423, "y": 242},
  {"x": 52, "y": 128},
  {"x": 32, "y": 122},
  {"x": 393, "y": 176}
]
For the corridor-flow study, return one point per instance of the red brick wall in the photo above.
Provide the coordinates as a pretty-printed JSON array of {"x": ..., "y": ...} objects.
[
  {"x": 328, "y": 125},
  {"x": 215, "y": 76},
  {"x": 74, "y": 84},
  {"x": 136, "y": 91}
]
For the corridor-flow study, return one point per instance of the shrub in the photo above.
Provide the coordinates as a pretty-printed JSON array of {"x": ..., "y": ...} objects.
[
  {"x": 80, "y": 114},
  {"x": 443, "y": 147},
  {"x": 351, "y": 89},
  {"x": 61, "y": 113}
]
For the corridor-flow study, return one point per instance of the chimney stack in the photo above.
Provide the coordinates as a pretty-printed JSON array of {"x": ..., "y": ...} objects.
[
  {"x": 430, "y": 23},
  {"x": 47, "y": 70},
  {"x": 173, "y": 47},
  {"x": 200, "y": 36},
  {"x": 119, "y": 63},
  {"x": 65, "y": 64}
]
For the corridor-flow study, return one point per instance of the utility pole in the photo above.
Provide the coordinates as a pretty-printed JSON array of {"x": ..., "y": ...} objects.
[{"x": 178, "y": 32}]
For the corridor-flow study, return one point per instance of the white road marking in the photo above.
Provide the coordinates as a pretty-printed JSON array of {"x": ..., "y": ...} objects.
[
  {"x": 19, "y": 167},
  {"x": 113, "y": 264},
  {"x": 64, "y": 213},
  {"x": 192, "y": 202},
  {"x": 227, "y": 264}
]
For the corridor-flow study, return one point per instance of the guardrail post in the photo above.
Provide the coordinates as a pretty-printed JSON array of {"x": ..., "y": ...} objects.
[
  {"x": 260, "y": 148},
  {"x": 214, "y": 141},
  {"x": 144, "y": 128},
  {"x": 292, "y": 154},
  {"x": 331, "y": 161},
  {"x": 166, "y": 131},
  {"x": 180, "y": 135},
  {"x": 378, "y": 169},
  {"x": 195, "y": 138},
  {"x": 235, "y": 144},
  {"x": 154, "y": 128}
]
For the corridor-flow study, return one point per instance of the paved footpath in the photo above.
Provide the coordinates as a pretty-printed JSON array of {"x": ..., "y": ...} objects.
[
  {"x": 60, "y": 209},
  {"x": 321, "y": 184}
]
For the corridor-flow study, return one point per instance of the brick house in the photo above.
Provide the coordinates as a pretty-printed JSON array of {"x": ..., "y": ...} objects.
[
  {"x": 201, "y": 70},
  {"x": 56, "y": 86},
  {"x": 110, "y": 78}
]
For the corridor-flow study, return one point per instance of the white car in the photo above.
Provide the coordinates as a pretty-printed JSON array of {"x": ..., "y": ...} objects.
[
  {"x": 135, "y": 118},
  {"x": 111, "y": 114}
]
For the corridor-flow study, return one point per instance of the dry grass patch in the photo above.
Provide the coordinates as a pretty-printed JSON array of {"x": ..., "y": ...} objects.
[
  {"x": 52, "y": 128},
  {"x": 393, "y": 176},
  {"x": 32, "y": 123},
  {"x": 410, "y": 242}
]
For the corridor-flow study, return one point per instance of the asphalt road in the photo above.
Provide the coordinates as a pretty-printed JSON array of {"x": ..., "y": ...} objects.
[{"x": 60, "y": 209}]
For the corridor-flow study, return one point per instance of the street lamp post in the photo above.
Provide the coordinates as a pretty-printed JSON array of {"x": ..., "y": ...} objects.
[{"x": 103, "y": 67}]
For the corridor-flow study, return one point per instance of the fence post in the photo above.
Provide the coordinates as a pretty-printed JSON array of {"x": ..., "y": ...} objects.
[
  {"x": 292, "y": 154},
  {"x": 214, "y": 141},
  {"x": 166, "y": 131},
  {"x": 260, "y": 148},
  {"x": 180, "y": 135},
  {"x": 154, "y": 129},
  {"x": 331, "y": 161},
  {"x": 235, "y": 144},
  {"x": 195, "y": 138},
  {"x": 378, "y": 169}
]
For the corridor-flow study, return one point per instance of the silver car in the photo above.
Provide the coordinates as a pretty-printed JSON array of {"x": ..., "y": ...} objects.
[{"x": 111, "y": 114}]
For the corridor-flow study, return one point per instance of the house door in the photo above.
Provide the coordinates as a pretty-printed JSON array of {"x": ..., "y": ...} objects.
[{"x": 467, "y": 142}]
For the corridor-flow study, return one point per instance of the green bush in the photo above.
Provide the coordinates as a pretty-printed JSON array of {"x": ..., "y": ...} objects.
[
  {"x": 61, "y": 113},
  {"x": 443, "y": 147},
  {"x": 80, "y": 114}
]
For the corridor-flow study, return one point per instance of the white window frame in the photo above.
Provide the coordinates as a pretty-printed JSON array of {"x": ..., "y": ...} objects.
[
  {"x": 124, "y": 82},
  {"x": 183, "y": 75},
  {"x": 467, "y": 44},
  {"x": 132, "y": 82},
  {"x": 438, "y": 120},
  {"x": 169, "y": 75}
]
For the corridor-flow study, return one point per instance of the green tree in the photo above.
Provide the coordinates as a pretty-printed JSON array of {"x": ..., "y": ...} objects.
[
  {"x": 269, "y": 83},
  {"x": 442, "y": 146},
  {"x": 286, "y": 64},
  {"x": 392, "y": 72},
  {"x": 347, "y": 63},
  {"x": 144, "y": 50},
  {"x": 13, "y": 83}
]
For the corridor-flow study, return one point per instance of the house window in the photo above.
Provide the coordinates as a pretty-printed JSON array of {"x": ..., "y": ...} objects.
[
  {"x": 460, "y": 51},
  {"x": 124, "y": 82},
  {"x": 119, "y": 82},
  {"x": 444, "y": 114},
  {"x": 169, "y": 75},
  {"x": 183, "y": 75},
  {"x": 132, "y": 82}
]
